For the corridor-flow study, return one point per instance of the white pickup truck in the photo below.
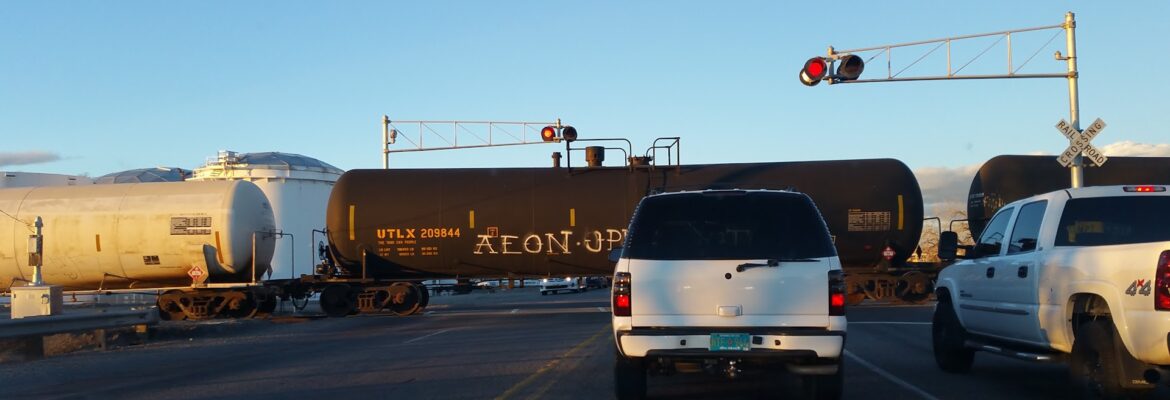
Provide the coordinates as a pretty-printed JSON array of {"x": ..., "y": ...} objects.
[{"x": 1077, "y": 275}]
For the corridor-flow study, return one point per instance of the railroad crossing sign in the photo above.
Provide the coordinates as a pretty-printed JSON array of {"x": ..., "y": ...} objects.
[
  {"x": 1079, "y": 143},
  {"x": 197, "y": 275}
]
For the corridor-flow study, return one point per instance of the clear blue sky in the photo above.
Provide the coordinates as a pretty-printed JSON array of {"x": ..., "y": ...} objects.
[{"x": 108, "y": 86}]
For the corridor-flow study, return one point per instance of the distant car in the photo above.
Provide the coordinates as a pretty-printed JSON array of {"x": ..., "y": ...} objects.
[
  {"x": 556, "y": 284},
  {"x": 596, "y": 282}
]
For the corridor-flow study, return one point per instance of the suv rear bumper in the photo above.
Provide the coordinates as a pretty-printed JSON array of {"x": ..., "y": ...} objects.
[{"x": 784, "y": 343}]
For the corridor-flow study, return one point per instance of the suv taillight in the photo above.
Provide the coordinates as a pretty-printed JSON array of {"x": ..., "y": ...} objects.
[
  {"x": 621, "y": 294},
  {"x": 1162, "y": 283},
  {"x": 836, "y": 292}
]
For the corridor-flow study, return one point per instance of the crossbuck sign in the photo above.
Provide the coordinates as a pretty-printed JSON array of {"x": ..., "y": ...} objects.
[{"x": 1079, "y": 143}]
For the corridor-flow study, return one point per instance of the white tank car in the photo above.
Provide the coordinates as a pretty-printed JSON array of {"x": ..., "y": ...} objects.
[
  {"x": 136, "y": 235},
  {"x": 11, "y": 179}
]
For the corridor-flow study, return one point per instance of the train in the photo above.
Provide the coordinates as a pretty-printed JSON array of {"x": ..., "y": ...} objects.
[
  {"x": 412, "y": 224},
  {"x": 207, "y": 246},
  {"x": 1007, "y": 178},
  {"x": 111, "y": 237}
]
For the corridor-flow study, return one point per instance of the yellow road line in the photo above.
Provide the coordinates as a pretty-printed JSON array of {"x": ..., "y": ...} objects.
[{"x": 548, "y": 367}]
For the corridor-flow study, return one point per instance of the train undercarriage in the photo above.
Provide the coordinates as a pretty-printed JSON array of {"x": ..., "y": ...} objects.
[
  {"x": 337, "y": 298},
  {"x": 897, "y": 285}
]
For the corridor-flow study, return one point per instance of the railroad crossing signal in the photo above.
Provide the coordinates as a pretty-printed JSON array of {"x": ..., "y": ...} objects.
[
  {"x": 558, "y": 132},
  {"x": 817, "y": 69},
  {"x": 1079, "y": 143}
]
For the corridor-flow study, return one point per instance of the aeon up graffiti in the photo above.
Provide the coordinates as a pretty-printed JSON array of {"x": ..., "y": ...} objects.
[{"x": 550, "y": 243}]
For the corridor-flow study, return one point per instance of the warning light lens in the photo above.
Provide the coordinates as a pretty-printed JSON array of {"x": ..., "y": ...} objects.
[
  {"x": 1145, "y": 189},
  {"x": 569, "y": 133},
  {"x": 814, "y": 71},
  {"x": 815, "y": 67},
  {"x": 548, "y": 134},
  {"x": 850, "y": 68}
]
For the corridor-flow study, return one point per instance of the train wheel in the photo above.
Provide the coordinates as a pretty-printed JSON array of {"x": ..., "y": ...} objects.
[
  {"x": 241, "y": 307},
  {"x": 874, "y": 289},
  {"x": 404, "y": 298},
  {"x": 336, "y": 301},
  {"x": 266, "y": 305},
  {"x": 855, "y": 295},
  {"x": 168, "y": 306},
  {"x": 424, "y": 297},
  {"x": 913, "y": 287}
]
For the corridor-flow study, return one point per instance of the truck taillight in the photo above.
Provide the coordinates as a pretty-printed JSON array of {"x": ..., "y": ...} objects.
[
  {"x": 621, "y": 294},
  {"x": 836, "y": 292},
  {"x": 1162, "y": 283}
]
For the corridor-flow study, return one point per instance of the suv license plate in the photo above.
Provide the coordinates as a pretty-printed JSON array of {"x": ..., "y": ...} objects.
[{"x": 731, "y": 341}]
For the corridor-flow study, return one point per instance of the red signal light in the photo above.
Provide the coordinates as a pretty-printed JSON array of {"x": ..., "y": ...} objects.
[
  {"x": 814, "y": 71},
  {"x": 548, "y": 134}
]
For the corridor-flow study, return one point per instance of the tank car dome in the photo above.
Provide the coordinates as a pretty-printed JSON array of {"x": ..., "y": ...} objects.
[
  {"x": 269, "y": 160},
  {"x": 141, "y": 175}
]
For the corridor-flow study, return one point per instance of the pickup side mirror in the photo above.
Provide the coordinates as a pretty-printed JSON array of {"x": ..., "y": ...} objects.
[
  {"x": 615, "y": 254},
  {"x": 948, "y": 245}
]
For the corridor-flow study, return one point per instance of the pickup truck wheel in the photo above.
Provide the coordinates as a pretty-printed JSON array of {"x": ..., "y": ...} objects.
[
  {"x": 947, "y": 336},
  {"x": 827, "y": 387},
  {"x": 1094, "y": 365},
  {"x": 629, "y": 378}
]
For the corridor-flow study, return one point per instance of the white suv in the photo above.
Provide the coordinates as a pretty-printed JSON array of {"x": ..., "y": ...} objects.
[{"x": 728, "y": 282}]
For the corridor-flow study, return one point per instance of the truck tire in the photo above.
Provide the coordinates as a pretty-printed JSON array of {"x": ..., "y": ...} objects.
[
  {"x": 827, "y": 387},
  {"x": 1095, "y": 366},
  {"x": 947, "y": 337},
  {"x": 629, "y": 378}
]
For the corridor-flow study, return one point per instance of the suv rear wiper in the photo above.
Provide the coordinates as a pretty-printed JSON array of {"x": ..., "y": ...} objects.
[{"x": 772, "y": 262}]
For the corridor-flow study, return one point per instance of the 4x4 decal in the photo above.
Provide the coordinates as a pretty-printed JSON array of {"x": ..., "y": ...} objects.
[{"x": 1140, "y": 286}]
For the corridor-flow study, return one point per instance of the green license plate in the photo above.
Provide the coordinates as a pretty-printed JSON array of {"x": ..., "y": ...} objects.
[{"x": 731, "y": 342}]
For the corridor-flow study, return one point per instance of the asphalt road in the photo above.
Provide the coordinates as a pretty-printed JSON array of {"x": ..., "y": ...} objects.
[{"x": 503, "y": 345}]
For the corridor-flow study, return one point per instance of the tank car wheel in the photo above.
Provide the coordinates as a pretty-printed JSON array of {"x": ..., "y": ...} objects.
[
  {"x": 913, "y": 287},
  {"x": 168, "y": 306},
  {"x": 266, "y": 305},
  {"x": 337, "y": 301},
  {"x": 241, "y": 308},
  {"x": 404, "y": 298},
  {"x": 855, "y": 295},
  {"x": 424, "y": 296}
]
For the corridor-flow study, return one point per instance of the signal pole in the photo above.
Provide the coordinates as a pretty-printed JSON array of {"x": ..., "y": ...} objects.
[
  {"x": 851, "y": 66},
  {"x": 1077, "y": 170}
]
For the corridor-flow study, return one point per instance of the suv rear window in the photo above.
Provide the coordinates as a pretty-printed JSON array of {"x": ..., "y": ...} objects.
[
  {"x": 728, "y": 226},
  {"x": 1103, "y": 221}
]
